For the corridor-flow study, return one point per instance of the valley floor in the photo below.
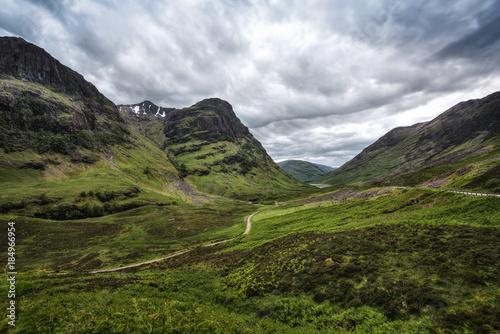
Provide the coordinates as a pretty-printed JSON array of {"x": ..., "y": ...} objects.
[{"x": 353, "y": 260}]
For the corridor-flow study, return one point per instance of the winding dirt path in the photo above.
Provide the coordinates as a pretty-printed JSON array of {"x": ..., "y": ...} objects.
[
  {"x": 249, "y": 226},
  {"x": 249, "y": 223}
]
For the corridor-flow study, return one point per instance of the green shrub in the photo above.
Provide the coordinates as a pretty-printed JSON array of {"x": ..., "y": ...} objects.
[
  {"x": 87, "y": 210},
  {"x": 492, "y": 183}
]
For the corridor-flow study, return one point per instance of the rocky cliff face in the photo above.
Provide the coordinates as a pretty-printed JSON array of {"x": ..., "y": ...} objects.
[
  {"x": 210, "y": 118},
  {"x": 46, "y": 106},
  {"x": 30, "y": 63}
]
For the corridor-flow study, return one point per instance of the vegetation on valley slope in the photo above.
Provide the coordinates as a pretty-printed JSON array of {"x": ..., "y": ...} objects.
[
  {"x": 371, "y": 260},
  {"x": 302, "y": 170}
]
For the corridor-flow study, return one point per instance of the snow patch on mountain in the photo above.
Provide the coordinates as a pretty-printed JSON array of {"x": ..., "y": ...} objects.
[{"x": 146, "y": 108}]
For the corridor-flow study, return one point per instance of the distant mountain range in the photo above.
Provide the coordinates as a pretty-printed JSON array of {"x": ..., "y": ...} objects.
[
  {"x": 467, "y": 129},
  {"x": 303, "y": 170}
]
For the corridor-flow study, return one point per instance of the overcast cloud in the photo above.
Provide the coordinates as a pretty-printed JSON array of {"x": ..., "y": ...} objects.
[{"x": 314, "y": 80}]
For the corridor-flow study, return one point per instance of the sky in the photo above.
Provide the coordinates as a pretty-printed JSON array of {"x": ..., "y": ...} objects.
[{"x": 313, "y": 80}]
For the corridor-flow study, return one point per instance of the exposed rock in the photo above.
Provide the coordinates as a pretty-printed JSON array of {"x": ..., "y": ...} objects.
[
  {"x": 145, "y": 110},
  {"x": 210, "y": 116},
  {"x": 46, "y": 106},
  {"x": 29, "y": 63}
]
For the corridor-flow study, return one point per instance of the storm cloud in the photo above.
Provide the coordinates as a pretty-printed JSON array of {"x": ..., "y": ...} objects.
[{"x": 313, "y": 80}]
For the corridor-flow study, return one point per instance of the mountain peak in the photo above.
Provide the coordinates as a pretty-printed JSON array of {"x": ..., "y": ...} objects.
[
  {"x": 145, "y": 109},
  {"x": 204, "y": 119},
  {"x": 46, "y": 106},
  {"x": 28, "y": 62}
]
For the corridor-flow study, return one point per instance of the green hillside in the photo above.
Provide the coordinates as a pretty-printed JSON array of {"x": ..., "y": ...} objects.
[
  {"x": 302, "y": 170},
  {"x": 218, "y": 155},
  {"x": 464, "y": 130}
]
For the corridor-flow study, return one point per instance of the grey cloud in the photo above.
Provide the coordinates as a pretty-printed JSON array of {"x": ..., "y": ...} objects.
[
  {"x": 318, "y": 79},
  {"x": 26, "y": 24},
  {"x": 483, "y": 42}
]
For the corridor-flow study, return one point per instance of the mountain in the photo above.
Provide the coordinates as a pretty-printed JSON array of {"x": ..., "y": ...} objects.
[
  {"x": 54, "y": 125},
  {"x": 219, "y": 155},
  {"x": 325, "y": 167},
  {"x": 146, "y": 109},
  {"x": 46, "y": 106},
  {"x": 302, "y": 170},
  {"x": 211, "y": 148},
  {"x": 467, "y": 129}
]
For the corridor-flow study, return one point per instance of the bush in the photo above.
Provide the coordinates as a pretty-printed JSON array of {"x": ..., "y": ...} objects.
[
  {"x": 9, "y": 206},
  {"x": 105, "y": 196},
  {"x": 183, "y": 172},
  {"x": 492, "y": 183},
  {"x": 72, "y": 211}
]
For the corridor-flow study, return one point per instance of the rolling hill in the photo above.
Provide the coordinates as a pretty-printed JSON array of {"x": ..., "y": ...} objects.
[
  {"x": 302, "y": 170},
  {"x": 325, "y": 167}
]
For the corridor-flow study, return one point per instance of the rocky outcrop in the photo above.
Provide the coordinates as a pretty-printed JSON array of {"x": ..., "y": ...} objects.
[
  {"x": 47, "y": 106},
  {"x": 208, "y": 118},
  {"x": 27, "y": 62}
]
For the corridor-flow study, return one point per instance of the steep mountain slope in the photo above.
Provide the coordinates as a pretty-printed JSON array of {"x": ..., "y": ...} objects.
[
  {"x": 217, "y": 153},
  {"x": 467, "y": 129},
  {"x": 302, "y": 170},
  {"x": 55, "y": 126},
  {"x": 45, "y": 106},
  {"x": 211, "y": 148}
]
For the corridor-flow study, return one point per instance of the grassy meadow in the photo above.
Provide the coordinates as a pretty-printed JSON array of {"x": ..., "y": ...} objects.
[{"x": 362, "y": 260}]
